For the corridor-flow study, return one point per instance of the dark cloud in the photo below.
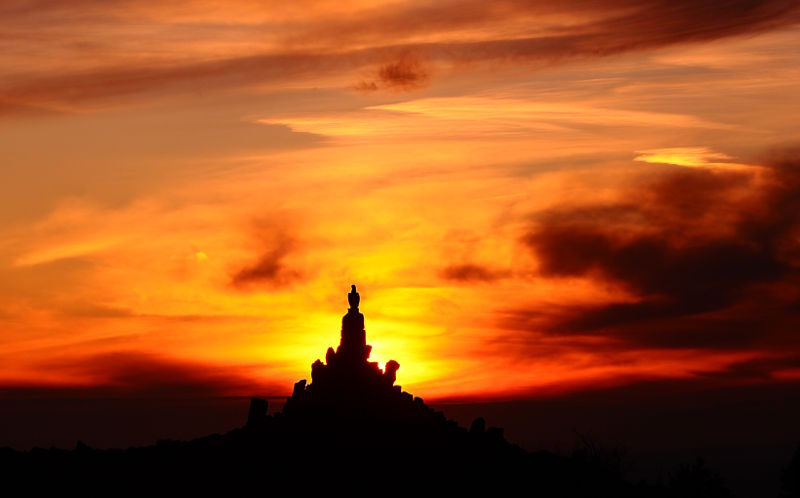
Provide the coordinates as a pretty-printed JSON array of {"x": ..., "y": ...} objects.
[
  {"x": 111, "y": 81},
  {"x": 709, "y": 256},
  {"x": 470, "y": 273},
  {"x": 143, "y": 374},
  {"x": 609, "y": 26},
  {"x": 755, "y": 369},
  {"x": 407, "y": 72},
  {"x": 270, "y": 269}
]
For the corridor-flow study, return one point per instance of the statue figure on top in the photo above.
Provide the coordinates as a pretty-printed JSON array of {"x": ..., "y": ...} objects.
[
  {"x": 354, "y": 298},
  {"x": 353, "y": 346}
]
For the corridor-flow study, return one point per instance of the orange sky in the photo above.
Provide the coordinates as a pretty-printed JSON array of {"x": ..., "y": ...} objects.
[{"x": 531, "y": 196}]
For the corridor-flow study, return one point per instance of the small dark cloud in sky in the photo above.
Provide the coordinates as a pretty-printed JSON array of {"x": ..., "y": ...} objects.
[
  {"x": 406, "y": 72},
  {"x": 269, "y": 269},
  {"x": 471, "y": 272}
]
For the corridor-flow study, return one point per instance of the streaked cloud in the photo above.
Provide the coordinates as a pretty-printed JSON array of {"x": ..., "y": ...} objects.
[{"x": 178, "y": 52}]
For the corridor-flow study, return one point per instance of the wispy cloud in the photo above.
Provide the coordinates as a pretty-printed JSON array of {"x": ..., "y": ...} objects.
[
  {"x": 142, "y": 374},
  {"x": 339, "y": 47}
]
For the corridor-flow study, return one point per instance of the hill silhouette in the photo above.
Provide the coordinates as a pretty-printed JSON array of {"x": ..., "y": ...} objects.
[{"x": 352, "y": 431}]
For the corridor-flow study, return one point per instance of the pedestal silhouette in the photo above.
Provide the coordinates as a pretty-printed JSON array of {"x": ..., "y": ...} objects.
[
  {"x": 353, "y": 345},
  {"x": 347, "y": 384}
]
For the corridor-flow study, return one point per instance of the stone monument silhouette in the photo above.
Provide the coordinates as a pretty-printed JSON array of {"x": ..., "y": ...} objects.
[
  {"x": 347, "y": 382},
  {"x": 353, "y": 346}
]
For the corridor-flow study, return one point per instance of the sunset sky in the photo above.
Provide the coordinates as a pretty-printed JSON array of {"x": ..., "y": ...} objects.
[{"x": 532, "y": 197}]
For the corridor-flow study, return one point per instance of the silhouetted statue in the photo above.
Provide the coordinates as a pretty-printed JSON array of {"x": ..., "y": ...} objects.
[
  {"x": 353, "y": 298},
  {"x": 353, "y": 346},
  {"x": 347, "y": 384}
]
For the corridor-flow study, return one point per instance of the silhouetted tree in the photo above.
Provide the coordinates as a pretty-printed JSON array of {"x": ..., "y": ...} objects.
[
  {"x": 696, "y": 480},
  {"x": 598, "y": 466},
  {"x": 790, "y": 477}
]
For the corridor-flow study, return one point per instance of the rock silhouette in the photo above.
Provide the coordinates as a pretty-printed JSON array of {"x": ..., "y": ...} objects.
[
  {"x": 352, "y": 391},
  {"x": 351, "y": 431}
]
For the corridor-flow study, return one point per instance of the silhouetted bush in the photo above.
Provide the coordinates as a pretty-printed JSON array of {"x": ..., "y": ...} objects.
[
  {"x": 696, "y": 480},
  {"x": 790, "y": 477}
]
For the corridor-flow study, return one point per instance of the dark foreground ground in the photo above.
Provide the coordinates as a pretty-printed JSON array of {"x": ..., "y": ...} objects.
[
  {"x": 419, "y": 452},
  {"x": 746, "y": 435}
]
